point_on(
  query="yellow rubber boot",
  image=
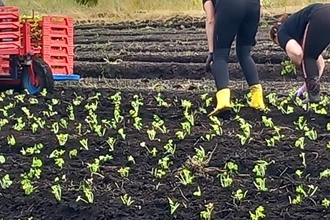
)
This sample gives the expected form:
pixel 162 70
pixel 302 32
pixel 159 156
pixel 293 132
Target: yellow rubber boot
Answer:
pixel 257 97
pixel 223 101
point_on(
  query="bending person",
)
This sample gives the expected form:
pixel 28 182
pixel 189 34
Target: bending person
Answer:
pixel 304 35
pixel 233 18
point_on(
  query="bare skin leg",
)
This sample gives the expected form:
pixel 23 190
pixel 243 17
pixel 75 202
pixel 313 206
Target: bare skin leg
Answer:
pixel 294 51
pixel 321 65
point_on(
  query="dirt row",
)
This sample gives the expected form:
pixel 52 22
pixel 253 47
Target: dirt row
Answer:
pixel 263 33
pixel 153 51
pixel 181 52
pixel 156 47
pixel 151 70
pixel 94 36
pixel 171 51
pixel 150 37
pixel 103 31
pixel 176 57
pixel 147 50
pixel 174 22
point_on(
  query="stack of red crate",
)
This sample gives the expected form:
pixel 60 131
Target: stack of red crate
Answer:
pixel 9 35
pixel 52 39
pixel 57 43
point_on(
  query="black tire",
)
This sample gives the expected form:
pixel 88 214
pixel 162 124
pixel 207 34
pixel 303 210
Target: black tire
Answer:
pixel 1 4
pixel 41 71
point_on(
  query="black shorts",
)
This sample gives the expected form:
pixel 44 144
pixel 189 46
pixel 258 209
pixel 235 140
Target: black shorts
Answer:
pixel 238 18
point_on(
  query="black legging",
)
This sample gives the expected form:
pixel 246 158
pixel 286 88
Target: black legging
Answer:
pixel 316 39
pixel 241 18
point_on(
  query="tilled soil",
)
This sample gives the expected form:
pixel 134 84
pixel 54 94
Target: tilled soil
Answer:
pixel 174 49
pixel 150 194
pixel 145 59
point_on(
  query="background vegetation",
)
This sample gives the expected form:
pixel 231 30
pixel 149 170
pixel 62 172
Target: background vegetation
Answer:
pixel 114 10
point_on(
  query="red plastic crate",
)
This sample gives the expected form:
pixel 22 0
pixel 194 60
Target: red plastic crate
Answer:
pixel 4 65
pixel 57 43
pixel 9 28
pixel 9 35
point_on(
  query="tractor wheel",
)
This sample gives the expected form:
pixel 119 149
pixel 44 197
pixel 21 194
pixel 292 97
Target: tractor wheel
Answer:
pixel 43 74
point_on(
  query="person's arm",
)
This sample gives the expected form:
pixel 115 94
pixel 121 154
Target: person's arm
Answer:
pixel 282 38
pixel 209 24
pixel 291 48
pixel 320 65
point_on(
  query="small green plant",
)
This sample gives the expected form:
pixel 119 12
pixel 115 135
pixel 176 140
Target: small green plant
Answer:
pixel 288 67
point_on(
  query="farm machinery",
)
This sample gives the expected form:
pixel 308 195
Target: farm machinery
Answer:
pixel 35 52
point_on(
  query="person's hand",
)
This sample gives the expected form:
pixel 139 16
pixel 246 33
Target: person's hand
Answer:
pixel 208 62
pixel 300 92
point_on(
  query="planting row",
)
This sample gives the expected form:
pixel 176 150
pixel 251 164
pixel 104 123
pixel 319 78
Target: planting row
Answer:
pixel 260 57
pixel 156 47
pixel 150 36
pixel 167 53
pixel 151 70
pixel 95 154
pixel 263 32
pixel 178 22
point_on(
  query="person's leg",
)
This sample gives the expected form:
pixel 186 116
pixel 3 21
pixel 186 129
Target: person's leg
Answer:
pixel 227 23
pixel 245 39
pixel 228 18
pixel 247 64
pixel 294 52
pixel 316 39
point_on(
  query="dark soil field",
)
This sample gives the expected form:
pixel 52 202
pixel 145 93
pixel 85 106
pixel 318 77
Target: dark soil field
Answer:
pixel 133 140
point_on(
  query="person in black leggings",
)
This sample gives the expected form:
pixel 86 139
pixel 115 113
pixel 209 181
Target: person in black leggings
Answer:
pixel 238 18
pixel 304 35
